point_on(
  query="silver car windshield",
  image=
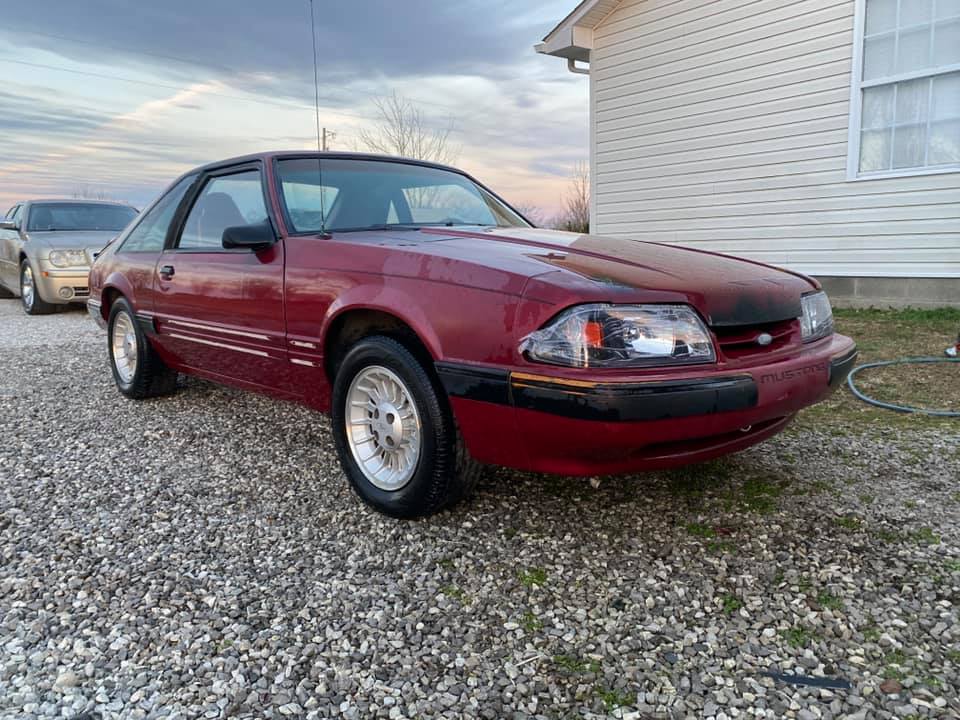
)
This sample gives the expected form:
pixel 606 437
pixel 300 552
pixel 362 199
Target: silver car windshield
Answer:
pixel 79 216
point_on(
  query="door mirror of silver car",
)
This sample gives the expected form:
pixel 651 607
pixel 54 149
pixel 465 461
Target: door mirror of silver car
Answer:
pixel 252 237
pixel 8 225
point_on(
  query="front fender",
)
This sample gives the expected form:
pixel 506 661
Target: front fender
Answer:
pixel 392 301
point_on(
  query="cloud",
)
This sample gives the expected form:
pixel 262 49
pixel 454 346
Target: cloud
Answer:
pixel 354 39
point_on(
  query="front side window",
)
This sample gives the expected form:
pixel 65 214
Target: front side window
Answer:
pixel 225 201
pixel 907 94
pixel 344 195
pixel 52 217
pixel 150 233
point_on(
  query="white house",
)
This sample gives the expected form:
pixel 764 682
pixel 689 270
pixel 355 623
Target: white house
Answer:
pixel 821 135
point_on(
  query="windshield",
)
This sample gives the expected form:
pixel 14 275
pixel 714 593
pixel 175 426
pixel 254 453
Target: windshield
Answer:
pixel 374 194
pixel 79 216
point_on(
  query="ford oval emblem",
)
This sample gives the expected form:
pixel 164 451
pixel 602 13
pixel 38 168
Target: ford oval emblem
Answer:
pixel 764 339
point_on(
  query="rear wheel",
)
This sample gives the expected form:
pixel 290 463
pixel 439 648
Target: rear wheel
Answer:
pixel 30 298
pixel 137 369
pixel 395 433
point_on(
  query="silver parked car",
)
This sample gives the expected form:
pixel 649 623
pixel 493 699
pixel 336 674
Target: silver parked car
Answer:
pixel 46 247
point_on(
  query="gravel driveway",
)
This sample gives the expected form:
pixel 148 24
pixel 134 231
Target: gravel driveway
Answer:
pixel 202 556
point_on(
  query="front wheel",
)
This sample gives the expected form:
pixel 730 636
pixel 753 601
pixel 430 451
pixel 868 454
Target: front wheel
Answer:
pixel 137 369
pixel 395 433
pixel 30 298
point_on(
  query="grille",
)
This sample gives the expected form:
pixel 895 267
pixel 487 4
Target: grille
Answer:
pixel 81 292
pixel 740 341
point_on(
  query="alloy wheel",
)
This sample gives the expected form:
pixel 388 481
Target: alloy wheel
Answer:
pixel 124 344
pixel 27 288
pixel 383 427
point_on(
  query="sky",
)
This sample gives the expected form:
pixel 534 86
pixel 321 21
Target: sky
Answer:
pixel 116 98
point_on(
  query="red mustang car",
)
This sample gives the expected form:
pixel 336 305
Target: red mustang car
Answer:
pixel 441 329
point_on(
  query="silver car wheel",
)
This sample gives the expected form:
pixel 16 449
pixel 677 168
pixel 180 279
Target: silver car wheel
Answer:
pixel 383 427
pixel 124 344
pixel 27 288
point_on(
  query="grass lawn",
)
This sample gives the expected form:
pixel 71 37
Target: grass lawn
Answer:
pixel 888 335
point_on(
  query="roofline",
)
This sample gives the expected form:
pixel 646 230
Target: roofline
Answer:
pixel 572 18
pixel 568 39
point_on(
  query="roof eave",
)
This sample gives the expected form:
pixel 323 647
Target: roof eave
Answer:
pixel 571 42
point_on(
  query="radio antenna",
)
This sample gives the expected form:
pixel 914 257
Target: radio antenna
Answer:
pixel 316 106
pixel 316 75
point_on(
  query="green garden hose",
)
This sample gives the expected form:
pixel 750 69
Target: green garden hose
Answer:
pixel 892 406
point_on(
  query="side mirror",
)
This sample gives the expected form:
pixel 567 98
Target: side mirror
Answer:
pixel 8 225
pixel 253 237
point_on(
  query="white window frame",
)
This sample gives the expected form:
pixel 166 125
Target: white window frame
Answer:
pixel 857 85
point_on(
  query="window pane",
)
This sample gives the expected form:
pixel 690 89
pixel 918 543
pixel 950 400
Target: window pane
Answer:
pixel 874 150
pixel 151 231
pixel 225 202
pixel 947 8
pixel 878 107
pixel 912 99
pixel 915 12
pixel 944 143
pixel 914 51
pixel 878 57
pixel 881 16
pixel 909 146
pixel 946 97
pixel 946 50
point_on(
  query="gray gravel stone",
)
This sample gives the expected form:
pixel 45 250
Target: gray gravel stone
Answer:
pixel 201 556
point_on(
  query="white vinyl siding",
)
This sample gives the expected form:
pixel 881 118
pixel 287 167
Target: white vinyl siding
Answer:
pixel 724 126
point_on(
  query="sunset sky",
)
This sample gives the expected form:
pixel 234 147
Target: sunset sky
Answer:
pixel 114 97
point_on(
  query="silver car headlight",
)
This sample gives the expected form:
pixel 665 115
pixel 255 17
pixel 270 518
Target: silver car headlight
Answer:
pixel 817 319
pixel 68 258
pixel 621 336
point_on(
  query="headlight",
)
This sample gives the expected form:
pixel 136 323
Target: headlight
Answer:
pixel 621 336
pixel 68 258
pixel 817 319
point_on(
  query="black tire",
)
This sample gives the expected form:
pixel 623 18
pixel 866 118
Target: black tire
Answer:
pixel 34 305
pixel 445 473
pixel 151 376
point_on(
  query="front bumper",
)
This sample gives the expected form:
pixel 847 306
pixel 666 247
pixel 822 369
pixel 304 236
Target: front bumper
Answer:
pixel 595 426
pixel 63 286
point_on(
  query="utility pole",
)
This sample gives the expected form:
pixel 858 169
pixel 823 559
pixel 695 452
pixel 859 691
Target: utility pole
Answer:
pixel 327 133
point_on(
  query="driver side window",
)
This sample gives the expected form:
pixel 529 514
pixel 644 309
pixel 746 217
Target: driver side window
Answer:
pixel 225 201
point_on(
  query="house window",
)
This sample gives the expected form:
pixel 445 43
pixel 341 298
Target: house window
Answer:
pixel 905 109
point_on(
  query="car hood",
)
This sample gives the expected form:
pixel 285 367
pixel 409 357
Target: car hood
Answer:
pixel 93 241
pixel 727 290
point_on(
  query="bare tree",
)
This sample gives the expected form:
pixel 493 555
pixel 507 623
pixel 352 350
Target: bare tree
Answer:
pixel 402 129
pixel 85 192
pixel 576 202
pixel 530 212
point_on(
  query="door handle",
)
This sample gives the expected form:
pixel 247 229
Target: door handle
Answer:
pixel 167 272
